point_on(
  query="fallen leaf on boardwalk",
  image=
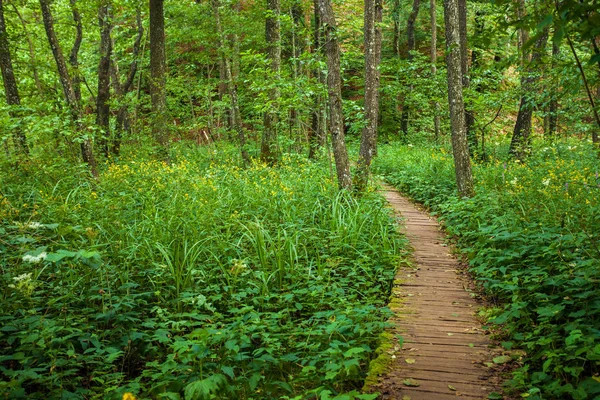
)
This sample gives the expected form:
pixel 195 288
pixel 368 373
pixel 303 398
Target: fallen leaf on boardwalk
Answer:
pixel 411 382
pixel 452 388
pixel 471 345
pixel 410 360
pixel 502 359
pixel 405 397
pixel 450 334
pixel 413 349
pixel 489 364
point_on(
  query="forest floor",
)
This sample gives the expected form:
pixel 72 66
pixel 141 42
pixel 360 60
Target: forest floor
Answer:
pixel 443 351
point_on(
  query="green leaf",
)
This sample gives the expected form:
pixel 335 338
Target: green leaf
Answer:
pixel 502 359
pixel 411 382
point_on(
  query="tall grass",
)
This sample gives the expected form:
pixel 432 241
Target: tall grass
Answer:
pixel 196 278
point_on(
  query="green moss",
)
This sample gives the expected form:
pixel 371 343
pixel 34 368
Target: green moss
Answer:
pixel 380 364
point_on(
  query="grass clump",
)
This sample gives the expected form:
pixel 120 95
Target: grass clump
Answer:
pixel 192 280
pixel 532 235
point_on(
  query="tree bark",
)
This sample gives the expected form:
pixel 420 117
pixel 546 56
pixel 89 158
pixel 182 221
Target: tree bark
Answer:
pixel 32 56
pixel 462 162
pixel 334 85
pixel 410 44
pixel 235 115
pixel 466 80
pixel 74 56
pixel 123 122
pixel 87 151
pixel 10 83
pixel 103 97
pixel 268 147
pixel 158 77
pixel 433 59
pixel 372 29
pixel 553 107
pixel 519 144
pixel 316 138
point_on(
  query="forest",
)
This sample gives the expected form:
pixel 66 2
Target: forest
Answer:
pixel 190 191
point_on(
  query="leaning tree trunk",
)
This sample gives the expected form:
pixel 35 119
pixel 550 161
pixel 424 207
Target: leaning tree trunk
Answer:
pixel 433 59
pixel 334 86
pixel 316 134
pixel 462 162
pixel 373 17
pixel 519 144
pixel 410 44
pixel 158 77
pixel 10 83
pixel 103 97
pixel 268 146
pixel 87 151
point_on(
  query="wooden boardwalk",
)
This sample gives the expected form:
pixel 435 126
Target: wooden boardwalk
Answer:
pixel 444 350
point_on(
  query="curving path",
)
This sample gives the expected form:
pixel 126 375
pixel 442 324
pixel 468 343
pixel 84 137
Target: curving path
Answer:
pixel 445 351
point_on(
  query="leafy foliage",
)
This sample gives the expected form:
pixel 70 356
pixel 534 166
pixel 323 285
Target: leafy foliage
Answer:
pixel 532 236
pixel 195 280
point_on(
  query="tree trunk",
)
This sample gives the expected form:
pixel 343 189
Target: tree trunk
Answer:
pixel 519 144
pixel 235 115
pixel 10 83
pixel 32 56
pixel 396 18
pixel 334 85
pixel 553 107
pixel 466 81
pixel 87 151
pixel 123 122
pixel 74 56
pixel 268 147
pixel 158 77
pixel 103 98
pixel 316 138
pixel 433 59
pixel 410 44
pixel 462 162
pixel 373 17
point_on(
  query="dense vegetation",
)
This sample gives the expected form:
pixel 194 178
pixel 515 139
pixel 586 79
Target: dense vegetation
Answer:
pixel 171 219
pixel 195 277
pixel 531 235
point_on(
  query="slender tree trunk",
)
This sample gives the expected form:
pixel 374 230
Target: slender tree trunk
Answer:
pixel 103 98
pixel 74 56
pixel 268 147
pixel 466 80
pixel 235 115
pixel 396 18
pixel 410 34
pixel 316 138
pixel 33 64
pixel 87 151
pixel 519 144
pixel 334 85
pixel 123 122
pixel 433 59
pixel 553 107
pixel 10 83
pixel 462 162
pixel 373 17
pixel 158 77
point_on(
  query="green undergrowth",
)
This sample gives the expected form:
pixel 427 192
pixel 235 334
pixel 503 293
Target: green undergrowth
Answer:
pixel 532 236
pixel 192 280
